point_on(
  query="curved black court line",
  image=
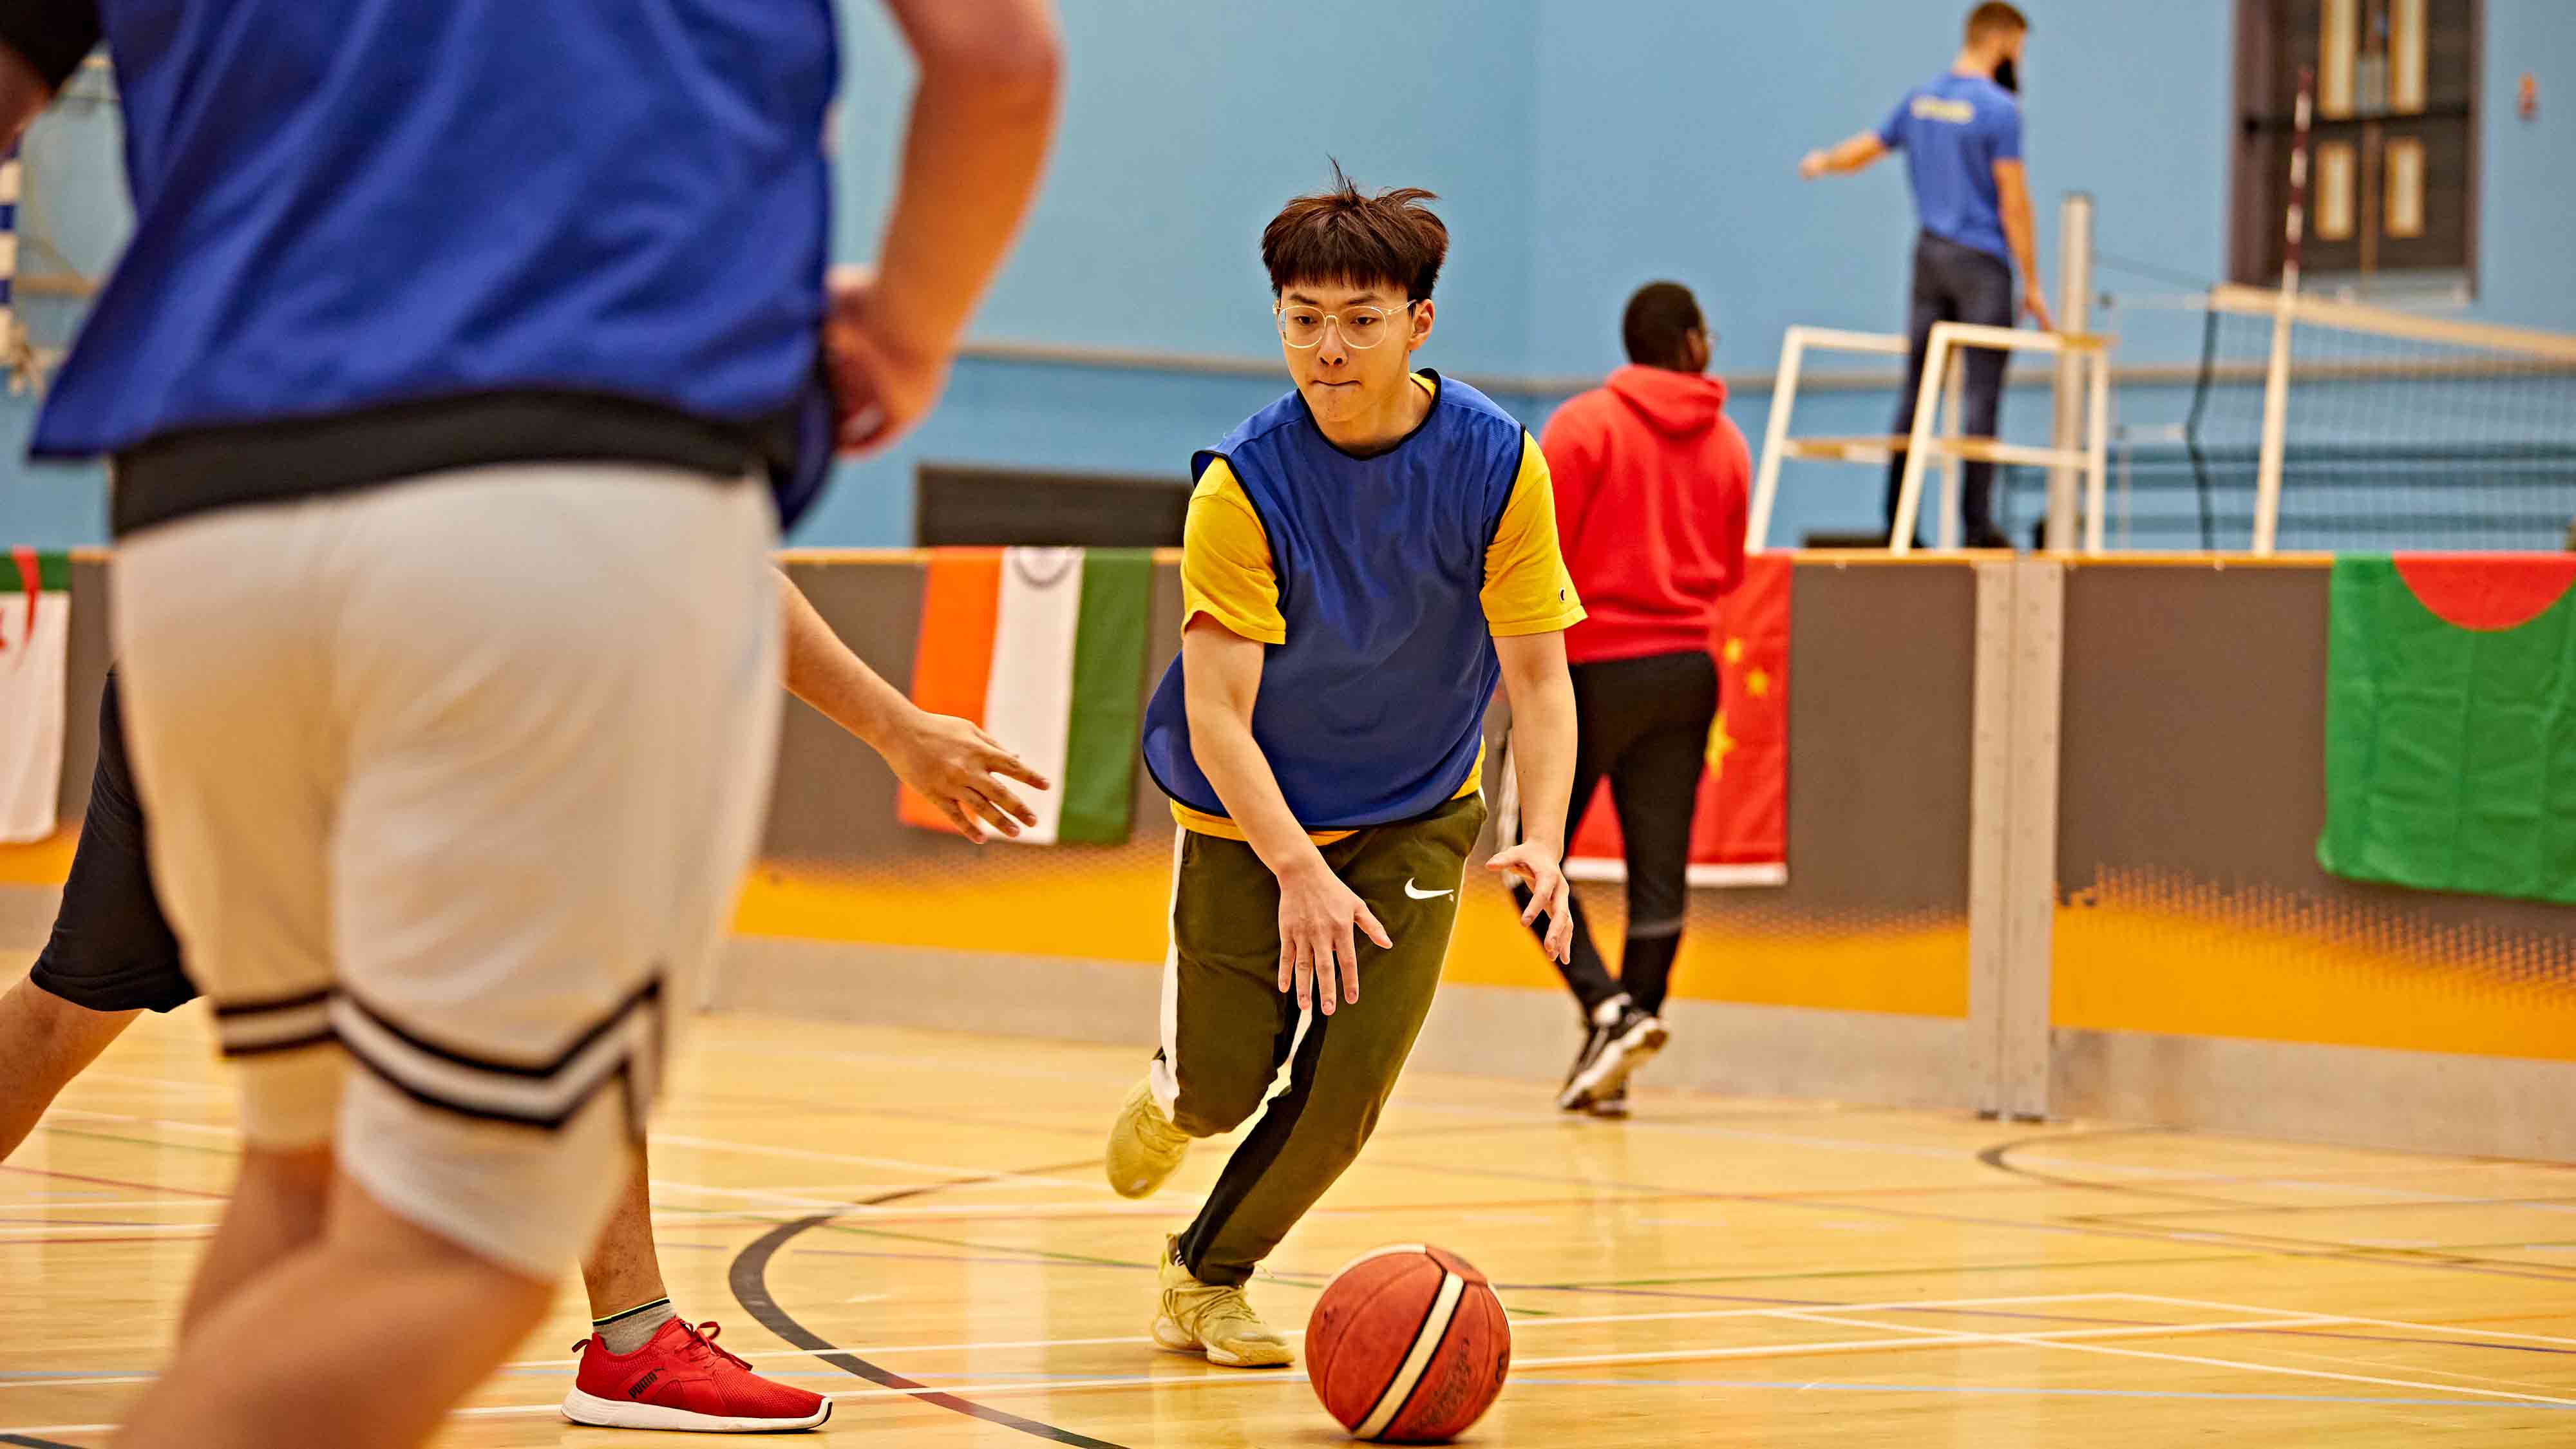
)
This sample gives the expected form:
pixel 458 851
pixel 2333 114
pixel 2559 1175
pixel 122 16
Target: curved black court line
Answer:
pixel 1998 1157
pixel 35 1443
pixel 749 1279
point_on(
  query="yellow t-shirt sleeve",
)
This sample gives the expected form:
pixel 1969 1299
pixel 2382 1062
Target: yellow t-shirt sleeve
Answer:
pixel 1527 590
pixel 1226 572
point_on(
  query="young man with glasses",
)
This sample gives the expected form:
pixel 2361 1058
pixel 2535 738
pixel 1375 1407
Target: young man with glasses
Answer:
pixel 1365 559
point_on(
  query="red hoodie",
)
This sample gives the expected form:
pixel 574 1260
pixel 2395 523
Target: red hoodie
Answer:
pixel 1651 480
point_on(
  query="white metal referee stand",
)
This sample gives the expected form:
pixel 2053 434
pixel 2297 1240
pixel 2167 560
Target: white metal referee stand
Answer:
pixel 1937 404
pixel 2080 434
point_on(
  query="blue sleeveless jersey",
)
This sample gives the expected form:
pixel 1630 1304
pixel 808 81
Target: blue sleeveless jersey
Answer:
pixel 1373 711
pixel 345 204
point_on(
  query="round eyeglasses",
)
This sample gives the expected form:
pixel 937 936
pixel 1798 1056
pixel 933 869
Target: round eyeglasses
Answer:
pixel 1302 325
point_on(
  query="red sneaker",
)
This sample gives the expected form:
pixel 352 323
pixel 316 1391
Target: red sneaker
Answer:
pixel 681 1380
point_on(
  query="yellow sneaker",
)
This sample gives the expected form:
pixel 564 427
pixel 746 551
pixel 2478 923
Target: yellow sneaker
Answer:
pixel 1144 1146
pixel 1213 1319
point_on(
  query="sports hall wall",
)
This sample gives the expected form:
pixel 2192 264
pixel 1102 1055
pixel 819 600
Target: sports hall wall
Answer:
pixel 1580 148
pixel 2181 958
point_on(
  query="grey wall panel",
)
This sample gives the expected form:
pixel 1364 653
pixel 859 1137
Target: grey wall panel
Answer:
pixel 2194 739
pixel 1880 675
pixel 84 676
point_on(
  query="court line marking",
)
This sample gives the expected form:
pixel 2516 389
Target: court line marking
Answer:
pixel 897 1164
pixel 2070 1344
pixel 785 1207
pixel 1915 1336
pixel 174 1124
pixel 2354 1318
pixel 1218 1379
pixel 1519 1325
pixel 1833 1386
pixel 2252 1245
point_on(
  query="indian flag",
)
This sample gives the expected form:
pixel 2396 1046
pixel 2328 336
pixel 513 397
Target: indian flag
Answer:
pixel 1045 648
pixel 35 646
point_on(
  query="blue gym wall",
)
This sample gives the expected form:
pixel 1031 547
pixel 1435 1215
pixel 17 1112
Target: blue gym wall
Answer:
pixel 1581 147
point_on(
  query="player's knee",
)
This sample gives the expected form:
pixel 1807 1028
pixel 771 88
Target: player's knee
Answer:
pixel 1216 1108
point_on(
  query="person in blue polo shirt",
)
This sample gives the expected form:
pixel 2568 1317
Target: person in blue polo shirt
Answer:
pixel 462 365
pixel 1961 135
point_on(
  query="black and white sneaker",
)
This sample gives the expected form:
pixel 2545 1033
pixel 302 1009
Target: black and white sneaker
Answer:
pixel 1611 1105
pixel 1596 1035
pixel 1621 1040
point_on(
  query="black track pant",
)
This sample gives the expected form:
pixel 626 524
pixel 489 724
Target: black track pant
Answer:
pixel 1643 726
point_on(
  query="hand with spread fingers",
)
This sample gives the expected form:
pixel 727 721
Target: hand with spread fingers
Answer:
pixel 965 772
pixel 1319 923
pixel 1538 868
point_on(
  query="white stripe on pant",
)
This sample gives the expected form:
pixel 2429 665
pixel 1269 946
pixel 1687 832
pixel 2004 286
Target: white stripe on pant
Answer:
pixel 484 753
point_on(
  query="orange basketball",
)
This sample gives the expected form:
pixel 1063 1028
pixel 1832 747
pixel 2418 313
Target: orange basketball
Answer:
pixel 1408 1345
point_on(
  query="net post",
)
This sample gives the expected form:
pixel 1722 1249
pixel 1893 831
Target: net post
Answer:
pixel 2097 442
pixel 2276 376
pixel 2074 314
pixel 1927 403
pixel 1952 402
pixel 1775 439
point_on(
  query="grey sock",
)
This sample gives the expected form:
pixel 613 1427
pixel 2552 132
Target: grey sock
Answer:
pixel 631 1329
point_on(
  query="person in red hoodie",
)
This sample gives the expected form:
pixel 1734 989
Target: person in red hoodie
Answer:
pixel 1651 481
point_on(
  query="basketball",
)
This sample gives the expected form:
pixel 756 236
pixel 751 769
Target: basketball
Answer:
pixel 1408 1345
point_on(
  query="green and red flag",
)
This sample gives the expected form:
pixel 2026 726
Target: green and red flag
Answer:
pixel 2451 724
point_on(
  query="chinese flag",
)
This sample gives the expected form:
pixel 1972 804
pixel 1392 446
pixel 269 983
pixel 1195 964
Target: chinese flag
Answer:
pixel 1741 833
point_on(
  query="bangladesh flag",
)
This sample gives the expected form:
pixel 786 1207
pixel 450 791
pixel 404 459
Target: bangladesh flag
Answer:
pixel 2451 724
pixel 1045 648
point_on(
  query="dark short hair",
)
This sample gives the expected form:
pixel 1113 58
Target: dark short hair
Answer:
pixel 1345 235
pixel 1995 17
pixel 1659 319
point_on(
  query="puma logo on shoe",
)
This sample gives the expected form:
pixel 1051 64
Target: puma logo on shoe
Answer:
pixel 1423 895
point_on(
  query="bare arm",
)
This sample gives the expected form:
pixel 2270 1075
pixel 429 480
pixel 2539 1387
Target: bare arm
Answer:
pixel 982 116
pixel 1843 157
pixel 2012 198
pixel 1543 742
pixel 23 93
pixel 1317 949
pixel 955 765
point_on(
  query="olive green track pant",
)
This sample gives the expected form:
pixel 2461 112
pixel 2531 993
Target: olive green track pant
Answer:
pixel 1228 1028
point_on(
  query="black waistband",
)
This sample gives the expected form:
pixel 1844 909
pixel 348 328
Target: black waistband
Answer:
pixel 180 474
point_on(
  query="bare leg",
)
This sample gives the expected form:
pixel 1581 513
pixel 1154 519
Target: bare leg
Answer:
pixel 277 1210
pixel 45 1041
pixel 299 1356
pixel 622 1271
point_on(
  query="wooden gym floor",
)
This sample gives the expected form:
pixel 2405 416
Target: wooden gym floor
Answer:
pixel 915 1223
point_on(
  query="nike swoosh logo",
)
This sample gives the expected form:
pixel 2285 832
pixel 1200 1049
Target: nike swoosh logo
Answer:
pixel 1421 895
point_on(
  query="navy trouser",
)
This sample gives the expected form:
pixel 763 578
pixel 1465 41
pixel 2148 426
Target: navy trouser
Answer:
pixel 1953 283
